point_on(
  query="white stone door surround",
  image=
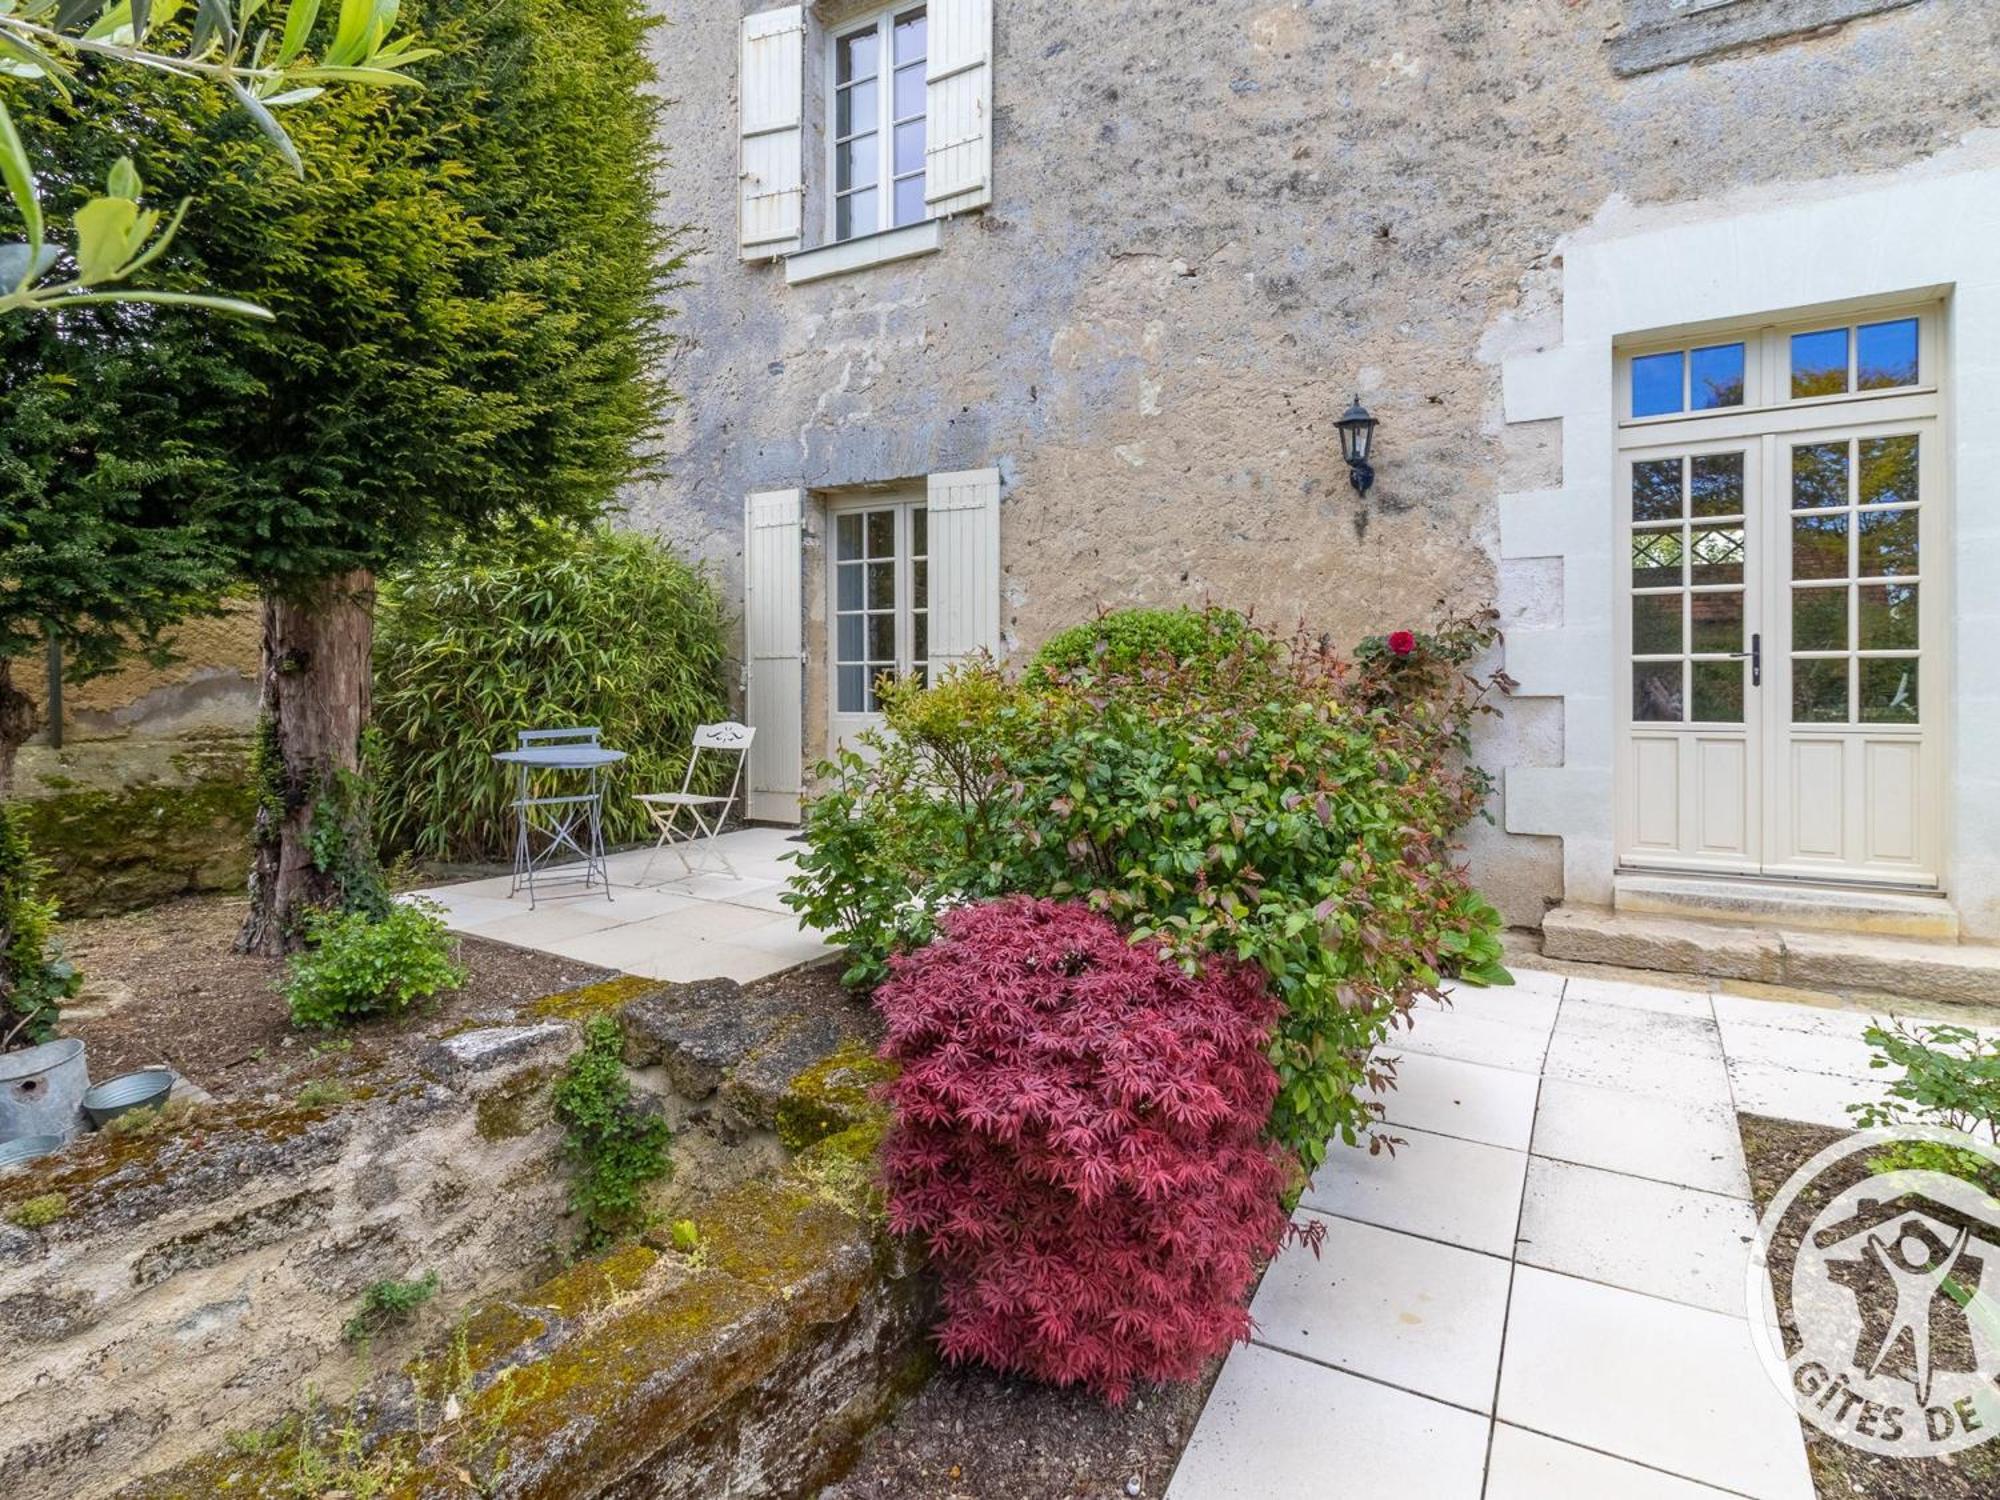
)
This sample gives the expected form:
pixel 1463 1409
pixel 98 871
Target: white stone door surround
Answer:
pixel 1930 229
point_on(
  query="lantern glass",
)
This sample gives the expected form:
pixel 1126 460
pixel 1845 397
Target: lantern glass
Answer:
pixel 1357 433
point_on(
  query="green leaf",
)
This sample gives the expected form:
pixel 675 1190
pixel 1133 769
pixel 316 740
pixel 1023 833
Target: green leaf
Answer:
pixel 268 123
pixel 381 77
pixel 123 181
pixel 104 238
pixel 350 33
pixel 299 21
pixel 19 176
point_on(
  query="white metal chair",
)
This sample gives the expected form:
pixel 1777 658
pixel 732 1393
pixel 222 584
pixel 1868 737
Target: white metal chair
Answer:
pixel 706 814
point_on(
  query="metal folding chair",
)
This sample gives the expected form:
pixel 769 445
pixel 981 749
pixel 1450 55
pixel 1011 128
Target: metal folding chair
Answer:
pixel 705 814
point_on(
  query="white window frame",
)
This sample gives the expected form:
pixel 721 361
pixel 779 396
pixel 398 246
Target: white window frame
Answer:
pixel 905 503
pixel 883 23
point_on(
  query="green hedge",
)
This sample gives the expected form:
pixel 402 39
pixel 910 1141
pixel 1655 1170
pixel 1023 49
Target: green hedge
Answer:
pixel 608 629
pixel 1125 640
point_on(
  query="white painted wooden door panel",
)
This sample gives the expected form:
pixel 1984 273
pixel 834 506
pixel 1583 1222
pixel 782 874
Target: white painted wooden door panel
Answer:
pixel 774 650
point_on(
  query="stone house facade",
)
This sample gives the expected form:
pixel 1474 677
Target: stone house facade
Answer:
pixel 1681 320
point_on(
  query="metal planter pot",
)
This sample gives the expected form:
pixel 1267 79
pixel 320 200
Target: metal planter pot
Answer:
pixel 41 1088
pixel 144 1089
pixel 24 1149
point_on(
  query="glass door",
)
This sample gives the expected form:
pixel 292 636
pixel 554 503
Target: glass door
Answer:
pixel 880 593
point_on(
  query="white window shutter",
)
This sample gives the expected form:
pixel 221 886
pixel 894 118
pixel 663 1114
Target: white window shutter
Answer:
pixel 774 650
pixel 771 83
pixel 959 161
pixel 964 540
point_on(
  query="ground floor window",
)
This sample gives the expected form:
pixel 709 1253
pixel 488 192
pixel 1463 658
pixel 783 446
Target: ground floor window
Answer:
pixel 881 599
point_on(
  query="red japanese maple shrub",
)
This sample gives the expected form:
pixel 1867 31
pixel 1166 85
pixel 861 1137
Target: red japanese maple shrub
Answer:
pixel 1079 1143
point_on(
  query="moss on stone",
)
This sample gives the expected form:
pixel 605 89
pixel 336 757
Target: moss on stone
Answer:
pixel 516 1108
pixel 832 1095
pixel 592 999
pixel 845 1170
pixel 597 1282
pixel 113 850
pixel 38 1212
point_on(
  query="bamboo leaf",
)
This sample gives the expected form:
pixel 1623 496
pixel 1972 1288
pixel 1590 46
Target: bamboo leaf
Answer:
pixel 299 21
pixel 268 123
pixel 230 305
pixel 19 176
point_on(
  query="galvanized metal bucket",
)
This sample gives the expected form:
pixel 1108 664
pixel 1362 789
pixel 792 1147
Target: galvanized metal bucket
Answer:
pixel 128 1091
pixel 24 1149
pixel 41 1090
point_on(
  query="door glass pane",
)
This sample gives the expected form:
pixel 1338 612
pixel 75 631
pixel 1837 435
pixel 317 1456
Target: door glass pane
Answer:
pixel 847 536
pixel 882 641
pixel 1656 692
pixel 1716 554
pixel 1717 625
pixel 1886 354
pixel 1715 484
pixel 853 694
pixel 1819 363
pixel 1889 470
pixel 1819 546
pixel 1656 384
pixel 874 698
pixel 920 532
pixel 1819 619
pixel 1888 543
pixel 881 585
pixel 1718 692
pixel 849 586
pixel 920 632
pixel 1716 377
pixel 1889 617
pixel 1819 692
pixel 1656 624
pixel 850 638
pixel 881 533
pixel 920 586
pixel 1819 476
pixel 1889 691
pixel 1656 490
pixel 1656 559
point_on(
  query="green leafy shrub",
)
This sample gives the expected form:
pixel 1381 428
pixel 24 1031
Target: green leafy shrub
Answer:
pixel 1122 641
pixel 616 1146
pixel 387 1304
pixel 358 966
pixel 547 630
pixel 35 978
pixel 1951 1078
pixel 1254 805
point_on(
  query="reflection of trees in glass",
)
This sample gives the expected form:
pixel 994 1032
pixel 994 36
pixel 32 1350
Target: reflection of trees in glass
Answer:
pixel 1656 692
pixel 1819 692
pixel 1889 470
pixel 1889 691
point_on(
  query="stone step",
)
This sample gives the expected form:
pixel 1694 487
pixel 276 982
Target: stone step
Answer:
pixel 1848 963
pixel 1788 905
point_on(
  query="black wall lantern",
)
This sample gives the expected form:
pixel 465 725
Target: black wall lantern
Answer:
pixel 1357 440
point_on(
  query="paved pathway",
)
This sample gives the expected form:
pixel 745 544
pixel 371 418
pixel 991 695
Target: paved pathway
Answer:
pixel 659 922
pixel 1541 1295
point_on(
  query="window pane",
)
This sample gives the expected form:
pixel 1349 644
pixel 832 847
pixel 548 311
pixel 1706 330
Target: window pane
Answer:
pixel 1819 476
pixel 850 638
pixel 1889 470
pixel 1889 617
pixel 1716 377
pixel 1819 692
pixel 1888 543
pixel 882 585
pixel 1656 384
pixel 909 148
pixel 847 536
pixel 853 690
pixel 1715 554
pixel 1886 354
pixel 910 92
pixel 874 698
pixel 1819 363
pixel 882 640
pixel 920 586
pixel 910 43
pixel 1718 624
pixel 1656 490
pixel 920 532
pixel 1715 484
pixel 1656 692
pixel 910 207
pixel 1889 692
pixel 1819 546
pixel 1718 692
pixel 855 110
pixel 854 163
pixel 1656 624
pixel 856 56
pixel 1656 559
pixel 920 629
pixel 850 586
pixel 881 533
pixel 856 214
pixel 1819 619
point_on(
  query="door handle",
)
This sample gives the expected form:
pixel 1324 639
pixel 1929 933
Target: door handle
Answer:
pixel 1755 656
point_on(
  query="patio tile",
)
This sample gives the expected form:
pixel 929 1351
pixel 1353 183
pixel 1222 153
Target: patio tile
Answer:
pixel 1692 1145
pixel 1514 1004
pixel 1464 1099
pixel 1611 1046
pixel 1527 1466
pixel 1278 1425
pixel 1826 1020
pixel 1805 1051
pixel 1471 1038
pixel 1526 981
pixel 1422 1316
pixel 1671 1242
pixel 1461 1192
pixel 782 939
pixel 1666 1385
pixel 714 888
pixel 1789 1094
pixel 461 911
pixel 710 921
pixel 548 923
pixel 1663 998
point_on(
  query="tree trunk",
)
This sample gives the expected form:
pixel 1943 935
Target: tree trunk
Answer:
pixel 313 701
pixel 18 720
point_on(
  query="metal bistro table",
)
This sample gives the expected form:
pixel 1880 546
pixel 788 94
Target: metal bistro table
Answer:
pixel 572 823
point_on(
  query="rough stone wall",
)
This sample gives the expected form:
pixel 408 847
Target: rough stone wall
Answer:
pixel 211 685
pixel 1213 224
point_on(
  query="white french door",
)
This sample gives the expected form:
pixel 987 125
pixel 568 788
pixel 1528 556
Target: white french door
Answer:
pixel 880 594
pixel 1780 635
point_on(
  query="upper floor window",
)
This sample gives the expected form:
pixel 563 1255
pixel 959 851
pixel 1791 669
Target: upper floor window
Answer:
pixel 879 109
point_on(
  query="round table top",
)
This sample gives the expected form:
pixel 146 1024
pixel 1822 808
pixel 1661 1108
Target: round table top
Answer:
pixel 561 757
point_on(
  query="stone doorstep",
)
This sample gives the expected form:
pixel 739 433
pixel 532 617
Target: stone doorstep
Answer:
pixel 1762 903
pixel 1842 962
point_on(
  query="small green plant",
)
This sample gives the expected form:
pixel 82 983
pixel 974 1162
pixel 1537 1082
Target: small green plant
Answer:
pixel 39 1212
pixel 159 1118
pixel 616 1147
pixel 359 967
pixel 388 1304
pixel 1951 1078
pixel 686 1236
pixel 35 978
pixel 324 1093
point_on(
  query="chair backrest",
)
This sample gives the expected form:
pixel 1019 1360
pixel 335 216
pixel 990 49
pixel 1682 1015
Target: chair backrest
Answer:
pixel 726 738
pixel 526 737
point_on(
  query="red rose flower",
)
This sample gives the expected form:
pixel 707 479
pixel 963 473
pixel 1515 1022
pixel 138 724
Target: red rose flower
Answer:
pixel 1402 643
